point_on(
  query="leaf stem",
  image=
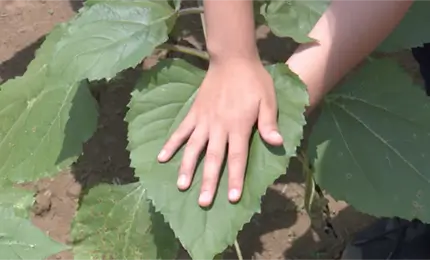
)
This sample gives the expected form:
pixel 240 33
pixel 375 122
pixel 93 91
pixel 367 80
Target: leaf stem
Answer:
pixel 191 10
pixel 187 50
pixel 238 251
pixel 309 181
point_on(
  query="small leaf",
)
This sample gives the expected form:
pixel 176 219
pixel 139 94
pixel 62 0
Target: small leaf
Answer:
pixel 43 122
pixel 372 142
pixel 20 239
pixel 154 114
pixel 117 222
pixel 411 31
pixel 110 36
pixel 18 199
pixel 293 18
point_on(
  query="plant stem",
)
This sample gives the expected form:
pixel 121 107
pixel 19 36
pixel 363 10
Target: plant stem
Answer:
pixel 202 19
pixel 187 50
pixel 309 181
pixel 238 251
pixel 191 10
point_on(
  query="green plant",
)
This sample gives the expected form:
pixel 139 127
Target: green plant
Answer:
pixel 49 112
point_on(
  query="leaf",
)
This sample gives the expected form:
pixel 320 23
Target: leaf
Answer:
pixel 45 52
pixel 117 222
pixel 411 32
pixel 372 142
pixel 157 110
pixel 43 123
pixel 176 4
pixel 293 18
pixel 20 239
pixel 19 200
pixel 110 36
pixel 93 2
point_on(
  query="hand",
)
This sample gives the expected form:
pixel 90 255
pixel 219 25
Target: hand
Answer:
pixel 233 96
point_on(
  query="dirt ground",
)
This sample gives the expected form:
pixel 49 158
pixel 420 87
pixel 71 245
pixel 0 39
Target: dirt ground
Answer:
pixel 282 231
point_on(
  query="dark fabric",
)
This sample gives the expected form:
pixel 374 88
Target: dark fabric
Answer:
pixel 422 56
pixel 391 239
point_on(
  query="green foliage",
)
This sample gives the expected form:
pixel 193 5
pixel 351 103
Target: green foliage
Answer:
pixel 158 105
pixel 19 200
pixel 373 136
pixel 44 121
pixel 412 30
pixel 19 239
pixel 293 18
pixel 110 36
pixel 116 222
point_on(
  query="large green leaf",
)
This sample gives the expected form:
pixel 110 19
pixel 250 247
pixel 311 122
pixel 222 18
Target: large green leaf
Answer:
pixel 372 142
pixel 20 239
pixel 293 18
pixel 110 36
pixel 412 31
pixel 45 52
pixel 117 222
pixel 43 122
pixel 157 110
pixel 18 199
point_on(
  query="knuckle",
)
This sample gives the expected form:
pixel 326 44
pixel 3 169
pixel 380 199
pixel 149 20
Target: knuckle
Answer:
pixel 185 167
pixel 212 156
pixel 209 178
pixel 235 157
pixel 177 135
pixel 193 144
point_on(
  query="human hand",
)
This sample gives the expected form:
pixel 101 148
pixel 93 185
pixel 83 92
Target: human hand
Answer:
pixel 234 95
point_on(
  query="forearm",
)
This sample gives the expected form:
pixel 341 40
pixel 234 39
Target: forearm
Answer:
pixel 230 29
pixel 346 33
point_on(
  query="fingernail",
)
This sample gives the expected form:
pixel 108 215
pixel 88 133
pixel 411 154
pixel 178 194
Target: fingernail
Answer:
pixel 204 198
pixel 161 155
pixel 275 135
pixel 182 181
pixel 233 194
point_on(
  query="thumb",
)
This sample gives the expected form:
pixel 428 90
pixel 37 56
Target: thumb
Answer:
pixel 267 122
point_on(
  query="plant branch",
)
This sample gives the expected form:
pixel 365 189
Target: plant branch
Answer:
pixel 187 50
pixel 238 251
pixel 191 10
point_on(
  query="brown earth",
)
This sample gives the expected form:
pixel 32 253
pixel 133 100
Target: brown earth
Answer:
pixel 282 231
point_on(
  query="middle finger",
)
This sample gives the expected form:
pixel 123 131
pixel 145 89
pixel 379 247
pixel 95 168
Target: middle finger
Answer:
pixel 212 165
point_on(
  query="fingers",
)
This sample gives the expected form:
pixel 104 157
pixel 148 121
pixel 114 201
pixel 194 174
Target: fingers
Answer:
pixel 212 166
pixel 177 139
pixel 194 147
pixel 267 122
pixel 238 143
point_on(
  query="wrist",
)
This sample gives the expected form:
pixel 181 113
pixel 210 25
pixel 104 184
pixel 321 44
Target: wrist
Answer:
pixel 218 53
